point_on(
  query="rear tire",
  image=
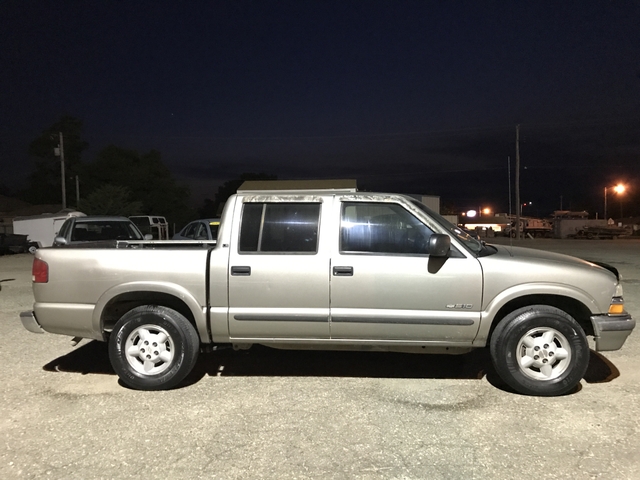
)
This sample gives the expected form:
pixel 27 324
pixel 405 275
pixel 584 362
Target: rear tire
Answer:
pixel 153 348
pixel 540 350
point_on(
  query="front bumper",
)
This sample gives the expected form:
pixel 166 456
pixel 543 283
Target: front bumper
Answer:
pixel 611 331
pixel 30 322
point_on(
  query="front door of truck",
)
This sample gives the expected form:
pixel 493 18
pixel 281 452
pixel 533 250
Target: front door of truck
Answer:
pixel 384 286
pixel 278 272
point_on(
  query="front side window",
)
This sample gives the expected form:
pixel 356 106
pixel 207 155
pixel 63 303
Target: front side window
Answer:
pixel 471 243
pixel 201 232
pixel 66 226
pixel 190 231
pixel 280 227
pixel 382 228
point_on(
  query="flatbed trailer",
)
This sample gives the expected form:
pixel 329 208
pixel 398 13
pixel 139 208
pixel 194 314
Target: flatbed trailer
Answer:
pixel 600 232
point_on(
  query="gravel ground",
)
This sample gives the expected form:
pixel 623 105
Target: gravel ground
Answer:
pixel 273 414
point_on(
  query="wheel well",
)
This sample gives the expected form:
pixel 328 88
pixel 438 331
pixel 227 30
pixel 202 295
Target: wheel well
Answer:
pixel 573 307
pixel 121 304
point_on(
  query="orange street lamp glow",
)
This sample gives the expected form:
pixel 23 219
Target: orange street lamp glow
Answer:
pixel 619 189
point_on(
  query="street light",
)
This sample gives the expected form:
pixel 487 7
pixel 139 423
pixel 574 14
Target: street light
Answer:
pixel 618 189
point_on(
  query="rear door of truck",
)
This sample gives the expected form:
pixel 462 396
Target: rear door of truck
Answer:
pixel 279 269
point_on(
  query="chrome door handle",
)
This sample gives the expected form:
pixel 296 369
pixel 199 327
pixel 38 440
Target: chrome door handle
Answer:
pixel 241 271
pixel 343 271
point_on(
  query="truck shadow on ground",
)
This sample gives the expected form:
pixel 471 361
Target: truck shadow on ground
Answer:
pixel 259 361
pixel 5 280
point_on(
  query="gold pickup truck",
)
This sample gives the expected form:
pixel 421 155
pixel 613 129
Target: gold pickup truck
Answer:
pixel 323 266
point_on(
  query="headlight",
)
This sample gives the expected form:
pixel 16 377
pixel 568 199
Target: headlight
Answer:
pixel 618 290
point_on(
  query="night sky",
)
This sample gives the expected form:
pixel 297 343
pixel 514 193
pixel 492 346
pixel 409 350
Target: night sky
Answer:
pixel 415 97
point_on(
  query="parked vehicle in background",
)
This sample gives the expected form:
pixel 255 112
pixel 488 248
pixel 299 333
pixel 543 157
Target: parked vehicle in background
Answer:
pixel 203 229
pixel 12 243
pixel 534 227
pixel 86 229
pixel 152 224
pixel 320 265
pixel 41 230
pixel 471 233
pixel 608 232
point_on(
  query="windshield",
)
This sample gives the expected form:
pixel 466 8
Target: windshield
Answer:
pixel 471 243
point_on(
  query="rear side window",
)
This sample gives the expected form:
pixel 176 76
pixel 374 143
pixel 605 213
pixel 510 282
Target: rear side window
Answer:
pixel 280 227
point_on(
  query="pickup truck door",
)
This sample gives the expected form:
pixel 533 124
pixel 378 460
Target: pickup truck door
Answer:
pixel 278 271
pixel 385 287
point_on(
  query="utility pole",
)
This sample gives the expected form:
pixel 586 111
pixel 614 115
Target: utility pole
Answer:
pixel 518 206
pixel 509 182
pixel 60 153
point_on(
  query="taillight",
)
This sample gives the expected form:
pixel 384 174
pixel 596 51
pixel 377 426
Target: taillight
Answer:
pixel 39 271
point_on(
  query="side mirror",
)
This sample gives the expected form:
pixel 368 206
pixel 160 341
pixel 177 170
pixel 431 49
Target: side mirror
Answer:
pixel 439 245
pixel 59 241
pixel 148 236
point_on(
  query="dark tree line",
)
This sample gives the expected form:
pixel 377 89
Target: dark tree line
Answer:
pixel 45 181
pixel 118 182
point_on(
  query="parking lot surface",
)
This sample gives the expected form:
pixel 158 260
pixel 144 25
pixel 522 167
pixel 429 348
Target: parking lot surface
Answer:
pixel 266 413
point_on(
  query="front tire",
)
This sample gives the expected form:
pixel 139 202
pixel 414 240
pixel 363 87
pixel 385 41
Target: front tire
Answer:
pixel 153 348
pixel 540 350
